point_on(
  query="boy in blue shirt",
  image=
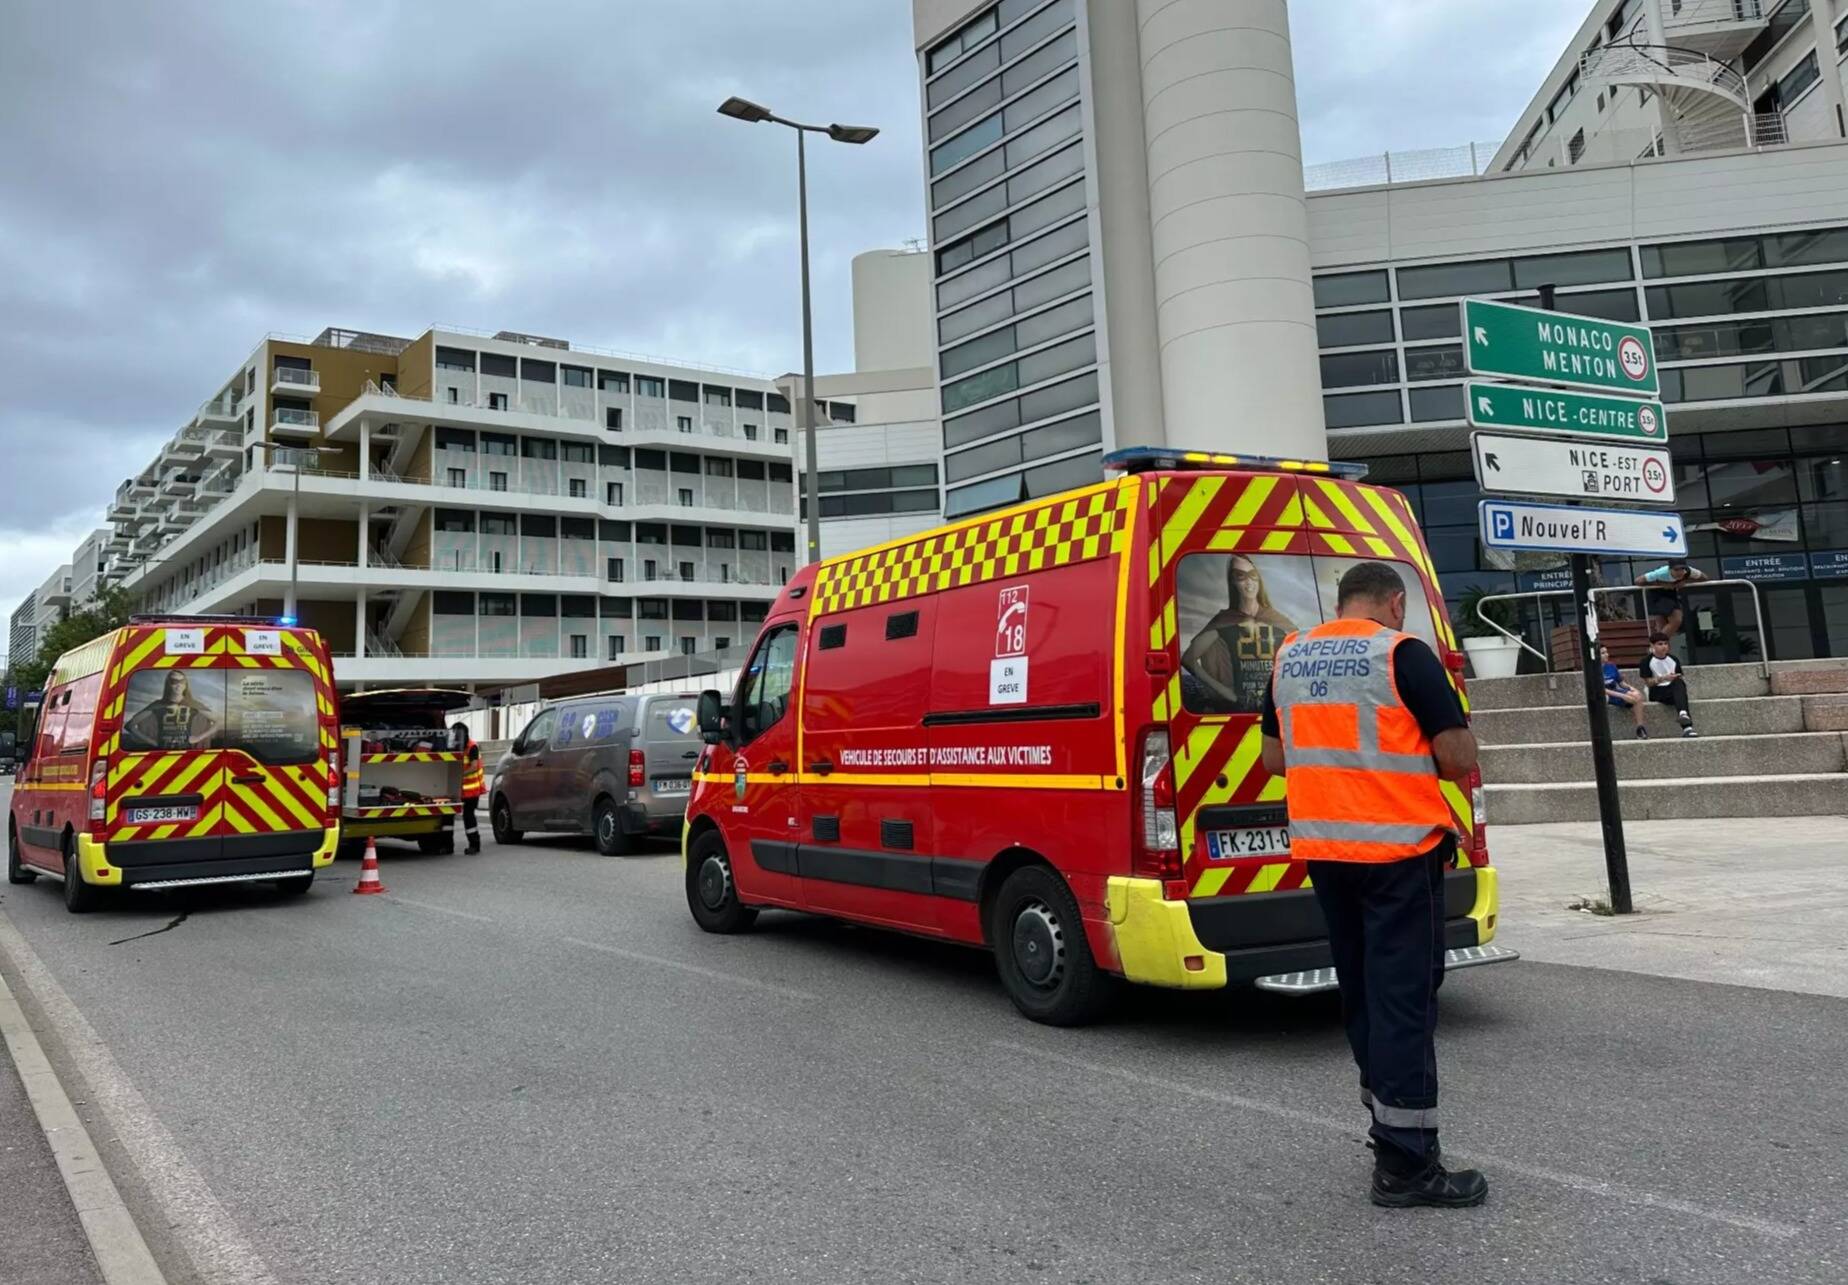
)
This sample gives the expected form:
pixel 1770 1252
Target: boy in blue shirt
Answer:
pixel 1620 693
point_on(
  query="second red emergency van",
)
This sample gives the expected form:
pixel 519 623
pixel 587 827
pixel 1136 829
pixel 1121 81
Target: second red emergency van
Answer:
pixel 1038 731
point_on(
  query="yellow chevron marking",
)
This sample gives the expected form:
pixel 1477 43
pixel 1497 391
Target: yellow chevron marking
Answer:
pixel 1344 502
pixel 1245 508
pixel 154 639
pixel 188 775
pixel 203 826
pixel 1339 543
pixel 158 767
pixel 1317 518
pixel 254 803
pixel 1193 750
pixel 290 804
pixel 1181 522
pixel 1292 514
pixel 1272 791
pixel 1278 541
pixel 1378 547
pixel 237 820
pixel 1223 540
pixel 1269 877
pixel 1212 881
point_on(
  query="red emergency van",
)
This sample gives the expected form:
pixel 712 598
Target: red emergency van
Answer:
pixel 181 750
pixel 1038 731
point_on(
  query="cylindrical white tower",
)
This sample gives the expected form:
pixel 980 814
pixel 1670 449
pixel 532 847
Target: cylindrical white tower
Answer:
pixel 1235 307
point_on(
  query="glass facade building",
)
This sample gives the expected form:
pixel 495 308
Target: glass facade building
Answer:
pixel 1015 328
pixel 1752 337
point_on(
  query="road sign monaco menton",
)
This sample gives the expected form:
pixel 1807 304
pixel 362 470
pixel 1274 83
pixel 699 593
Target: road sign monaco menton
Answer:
pixel 1543 410
pixel 1573 470
pixel 1512 342
pixel 1562 528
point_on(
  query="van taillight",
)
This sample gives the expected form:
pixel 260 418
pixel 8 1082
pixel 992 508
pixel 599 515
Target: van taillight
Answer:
pixel 1158 839
pixel 638 768
pixel 333 781
pixel 1479 832
pixel 99 796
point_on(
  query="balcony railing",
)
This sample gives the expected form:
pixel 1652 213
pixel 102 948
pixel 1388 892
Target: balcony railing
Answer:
pixel 295 377
pixel 289 419
pixel 1679 15
pixel 1630 64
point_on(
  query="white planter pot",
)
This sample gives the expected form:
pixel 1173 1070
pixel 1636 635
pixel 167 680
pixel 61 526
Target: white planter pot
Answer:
pixel 1493 657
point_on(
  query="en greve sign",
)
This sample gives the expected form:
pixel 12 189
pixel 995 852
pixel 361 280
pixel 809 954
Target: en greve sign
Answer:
pixel 1542 410
pixel 1574 470
pixel 1512 342
pixel 1563 528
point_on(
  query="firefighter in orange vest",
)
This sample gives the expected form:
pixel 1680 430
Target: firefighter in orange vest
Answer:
pixel 1365 724
pixel 474 783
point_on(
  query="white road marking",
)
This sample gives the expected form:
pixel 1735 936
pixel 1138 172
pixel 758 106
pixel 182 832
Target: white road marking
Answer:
pixel 1576 1182
pixel 788 992
pixel 121 1254
pixel 443 910
pixel 202 1226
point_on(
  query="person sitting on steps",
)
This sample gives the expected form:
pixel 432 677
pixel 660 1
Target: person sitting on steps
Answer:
pixel 1666 681
pixel 1620 694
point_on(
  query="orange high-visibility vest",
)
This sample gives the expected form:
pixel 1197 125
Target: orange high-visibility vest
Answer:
pixel 474 784
pixel 1361 782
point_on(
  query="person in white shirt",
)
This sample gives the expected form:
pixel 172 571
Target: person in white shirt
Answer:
pixel 1666 682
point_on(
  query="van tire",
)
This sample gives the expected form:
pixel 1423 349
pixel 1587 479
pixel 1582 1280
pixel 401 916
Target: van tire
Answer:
pixel 432 845
pixel 606 828
pixel 79 897
pixel 1042 954
pixel 712 893
pixel 500 820
pixel 296 886
pixel 16 871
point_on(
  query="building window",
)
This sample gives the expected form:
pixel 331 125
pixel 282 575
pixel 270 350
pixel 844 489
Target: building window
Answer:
pixel 684 423
pixel 612 418
pixel 615 647
pixel 580 643
pixel 782 436
pixel 648 386
pixel 650 569
pixel 497 401
pixel 686 571
pixel 688 645
pixel 458 477
pixel 651 642
pixel 580 489
pixel 615 570
pixel 686 498
pixel 497 481
pixel 612 494
pixel 455 395
pixel 750 432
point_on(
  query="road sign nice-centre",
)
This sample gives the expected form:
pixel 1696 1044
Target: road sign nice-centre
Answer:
pixel 1573 470
pixel 1512 342
pixel 1564 528
pixel 1543 410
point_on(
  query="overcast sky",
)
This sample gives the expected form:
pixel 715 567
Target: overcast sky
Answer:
pixel 178 179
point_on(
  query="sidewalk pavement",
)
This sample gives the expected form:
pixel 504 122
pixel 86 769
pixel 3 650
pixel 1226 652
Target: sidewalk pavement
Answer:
pixel 1757 901
pixel 43 1242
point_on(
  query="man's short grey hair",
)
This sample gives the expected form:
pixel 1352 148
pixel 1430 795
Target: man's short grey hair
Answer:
pixel 1374 581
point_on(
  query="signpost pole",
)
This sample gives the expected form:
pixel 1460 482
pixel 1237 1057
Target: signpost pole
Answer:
pixel 1603 758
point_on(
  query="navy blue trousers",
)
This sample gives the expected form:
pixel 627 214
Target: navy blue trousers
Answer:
pixel 1386 930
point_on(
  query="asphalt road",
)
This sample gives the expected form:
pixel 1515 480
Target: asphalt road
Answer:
pixel 529 1066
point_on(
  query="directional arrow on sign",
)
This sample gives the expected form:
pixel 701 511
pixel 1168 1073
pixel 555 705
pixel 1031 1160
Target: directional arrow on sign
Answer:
pixel 1482 336
pixel 1572 468
pixel 1492 462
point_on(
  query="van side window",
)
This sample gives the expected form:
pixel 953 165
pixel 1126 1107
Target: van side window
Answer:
pixel 764 697
pixel 538 733
pixel 832 636
pixel 80 717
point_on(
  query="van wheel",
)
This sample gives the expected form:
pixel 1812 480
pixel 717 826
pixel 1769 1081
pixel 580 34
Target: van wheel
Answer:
pixel 433 844
pixel 295 887
pixel 712 893
pixel 607 827
pixel 500 817
pixel 79 897
pixel 15 871
pixel 1041 952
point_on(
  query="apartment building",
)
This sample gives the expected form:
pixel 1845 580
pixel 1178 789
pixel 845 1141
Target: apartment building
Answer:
pixel 37 612
pixel 466 508
pixel 1646 78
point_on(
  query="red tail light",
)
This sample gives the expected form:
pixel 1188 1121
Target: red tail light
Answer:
pixel 1157 835
pixel 99 796
pixel 638 769
pixel 333 781
pixel 1479 833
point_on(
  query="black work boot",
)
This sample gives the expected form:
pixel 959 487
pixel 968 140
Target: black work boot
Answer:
pixel 1433 1185
pixel 474 842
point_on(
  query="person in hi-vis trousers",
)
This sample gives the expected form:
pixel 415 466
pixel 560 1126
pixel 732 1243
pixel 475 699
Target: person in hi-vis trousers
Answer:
pixel 1364 724
pixel 474 783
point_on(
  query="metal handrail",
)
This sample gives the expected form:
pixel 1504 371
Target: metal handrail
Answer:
pixel 297 376
pixel 1758 611
pixel 1702 13
pixel 1631 59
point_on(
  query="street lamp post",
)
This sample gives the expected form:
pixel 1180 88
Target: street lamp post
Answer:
pixel 751 114
pixel 295 498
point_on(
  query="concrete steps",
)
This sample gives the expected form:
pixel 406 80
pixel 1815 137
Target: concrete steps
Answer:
pixel 1770 745
pixel 1824 794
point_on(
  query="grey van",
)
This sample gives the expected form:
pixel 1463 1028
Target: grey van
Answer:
pixel 612 767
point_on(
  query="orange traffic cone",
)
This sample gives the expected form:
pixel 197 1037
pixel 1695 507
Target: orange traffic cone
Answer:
pixel 369 870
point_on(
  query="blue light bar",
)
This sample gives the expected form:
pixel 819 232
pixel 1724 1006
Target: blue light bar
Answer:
pixel 1144 459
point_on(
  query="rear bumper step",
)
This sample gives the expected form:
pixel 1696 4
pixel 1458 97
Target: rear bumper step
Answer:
pixel 1323 979
pixel 204 879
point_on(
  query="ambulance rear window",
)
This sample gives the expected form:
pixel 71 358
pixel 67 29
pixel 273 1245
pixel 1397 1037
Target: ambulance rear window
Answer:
pixel 1234 610
pixel 269 714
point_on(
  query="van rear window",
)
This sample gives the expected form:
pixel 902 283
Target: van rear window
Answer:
pixel 674 720
pixel 269 714
pixel 1235 610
